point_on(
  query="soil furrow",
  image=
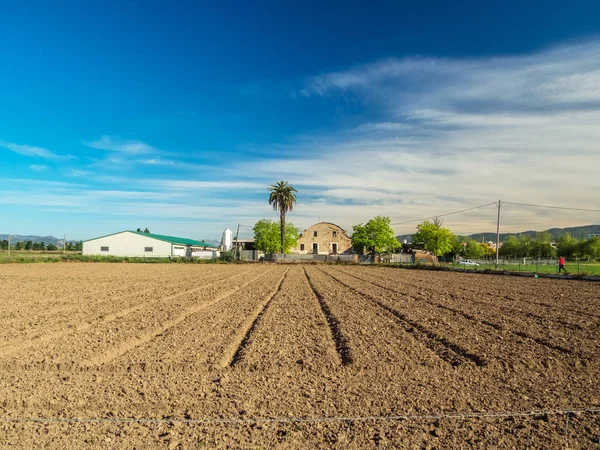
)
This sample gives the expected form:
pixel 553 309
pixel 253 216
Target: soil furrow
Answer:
pixel 496 326
pixel 341 342
pixel 445 349
pixel 235 352
pixel 147 337
pixel 10 349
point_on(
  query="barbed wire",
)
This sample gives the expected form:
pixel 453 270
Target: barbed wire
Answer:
pixel 258 420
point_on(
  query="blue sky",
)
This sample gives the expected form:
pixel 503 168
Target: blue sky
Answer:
pixel 177 116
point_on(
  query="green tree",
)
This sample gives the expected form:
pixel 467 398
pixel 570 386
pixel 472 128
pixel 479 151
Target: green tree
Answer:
pixel 29 245
pixel 590 248
pixel 510 248
pixel 267 236
pixel 474 249
pixel 20 245
pixel 4 244
pixel 146 230
pixel 282 197
pixel 376 236
pixel 51 247
pixel 78 247
pixel 540 246
pixel 437 239
pixel 567 245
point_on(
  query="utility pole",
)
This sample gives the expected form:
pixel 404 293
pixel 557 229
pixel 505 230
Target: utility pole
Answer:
pixel 498 236
pixel 237 233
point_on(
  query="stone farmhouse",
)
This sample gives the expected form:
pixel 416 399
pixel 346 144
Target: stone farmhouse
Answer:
pixel 324 238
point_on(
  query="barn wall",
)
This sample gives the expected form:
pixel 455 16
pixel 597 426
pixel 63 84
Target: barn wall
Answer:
pixel 127 244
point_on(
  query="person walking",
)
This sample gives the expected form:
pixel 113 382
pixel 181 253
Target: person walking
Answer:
pixel 561 265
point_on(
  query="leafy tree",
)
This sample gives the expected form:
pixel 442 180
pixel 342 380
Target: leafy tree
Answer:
pixel 376 236
pixel 78 247
pixel 510 248
pixel 139 230
pixel 567 245
pixel 457 246
pixel 29 245
pixel 51 247
pixel 474 249
pixel 540 246
pixel 434 237
pixel 590 248
pixel 267 236
pixel 146 230
pixel 282 197
pixel 20 245
pixel 4 244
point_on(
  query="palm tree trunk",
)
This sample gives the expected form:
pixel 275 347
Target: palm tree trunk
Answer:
pixel 282 224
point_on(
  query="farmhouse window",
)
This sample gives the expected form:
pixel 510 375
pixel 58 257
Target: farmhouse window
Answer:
pixel 301 246
pixel 335 234
pixel 103 249
pixel 148 249
pixel 315 234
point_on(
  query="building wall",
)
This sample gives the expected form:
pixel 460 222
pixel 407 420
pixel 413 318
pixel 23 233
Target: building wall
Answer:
pixel 127 244
pixel 327 235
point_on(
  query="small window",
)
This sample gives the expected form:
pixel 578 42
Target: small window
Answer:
pixel 335 234
pixel 301 247
pixel 103 249
pixel 315 234
pixel 148 249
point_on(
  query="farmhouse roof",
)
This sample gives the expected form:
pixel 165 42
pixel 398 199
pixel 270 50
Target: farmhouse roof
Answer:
pixel 165 238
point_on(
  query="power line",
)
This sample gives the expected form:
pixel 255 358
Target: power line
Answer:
pixel 444 215
pixel 551 207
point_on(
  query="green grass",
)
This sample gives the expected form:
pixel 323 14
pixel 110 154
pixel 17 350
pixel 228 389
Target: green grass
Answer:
pixel 28 257
pixel 572 268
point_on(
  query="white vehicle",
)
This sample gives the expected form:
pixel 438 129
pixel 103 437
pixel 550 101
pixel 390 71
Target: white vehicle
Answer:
pixel 467 262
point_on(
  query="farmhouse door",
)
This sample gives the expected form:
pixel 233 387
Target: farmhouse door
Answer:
pixel 334 249
pixel 315 248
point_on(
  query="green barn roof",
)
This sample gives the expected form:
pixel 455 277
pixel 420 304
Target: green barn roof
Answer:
pixel 162 237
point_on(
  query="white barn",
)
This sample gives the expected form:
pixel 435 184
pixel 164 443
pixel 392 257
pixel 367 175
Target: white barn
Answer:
pixel 145 245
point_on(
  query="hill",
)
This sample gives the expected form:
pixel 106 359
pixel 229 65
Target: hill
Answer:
pixel 18 238
pixel 580 232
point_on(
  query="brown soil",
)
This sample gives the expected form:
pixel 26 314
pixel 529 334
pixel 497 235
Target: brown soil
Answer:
pixel 169 356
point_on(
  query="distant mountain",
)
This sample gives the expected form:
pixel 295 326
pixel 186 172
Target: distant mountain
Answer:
pixel 580 232
pixel 18 238
pixel 211 242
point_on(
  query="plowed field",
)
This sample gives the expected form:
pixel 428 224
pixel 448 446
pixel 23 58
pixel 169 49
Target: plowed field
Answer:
pixel 278 356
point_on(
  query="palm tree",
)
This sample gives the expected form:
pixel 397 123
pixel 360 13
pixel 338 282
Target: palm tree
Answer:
pixel 283 198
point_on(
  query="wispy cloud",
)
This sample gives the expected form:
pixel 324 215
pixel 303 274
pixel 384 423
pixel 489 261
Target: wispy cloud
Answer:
pixel 127 147
pixel 38 167
pixel 458 132
pixel 29 150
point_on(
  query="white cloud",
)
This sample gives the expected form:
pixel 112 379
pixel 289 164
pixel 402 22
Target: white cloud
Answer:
pixel 453 133
pixel 128 147
pixel 38 167
pixel 29 150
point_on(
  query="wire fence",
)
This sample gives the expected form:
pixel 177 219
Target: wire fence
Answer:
pixel 559 428
pixel 258 420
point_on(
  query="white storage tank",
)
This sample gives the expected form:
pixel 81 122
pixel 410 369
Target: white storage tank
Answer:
pixel 227 240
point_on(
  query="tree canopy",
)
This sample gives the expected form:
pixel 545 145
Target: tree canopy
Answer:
pixel 437 239
pixel 267 236
pixel 376 236
pixel 282 197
